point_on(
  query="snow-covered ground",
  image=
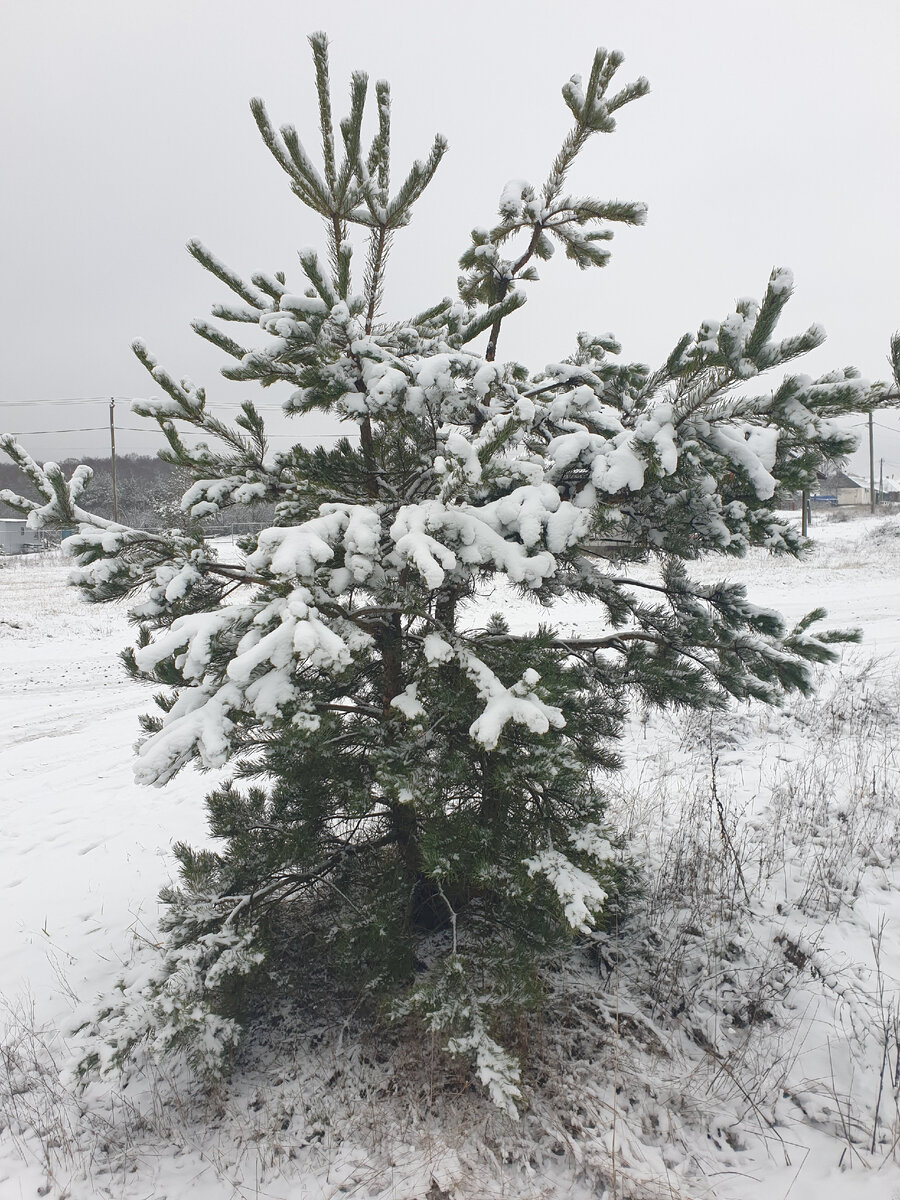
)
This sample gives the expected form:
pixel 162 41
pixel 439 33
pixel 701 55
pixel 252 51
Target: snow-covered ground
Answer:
pixel 739 1037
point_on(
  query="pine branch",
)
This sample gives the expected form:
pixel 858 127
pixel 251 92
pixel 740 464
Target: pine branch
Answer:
pixel 379 249
pixel 502 287
pixel 217 338
pixel 319 43
pixel 312 188
pixel 209 262
pixel 418 179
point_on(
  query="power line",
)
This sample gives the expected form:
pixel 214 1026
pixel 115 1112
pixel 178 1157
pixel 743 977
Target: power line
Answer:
pixel 41 432
pixel 97 400
pixel 61 400
pixel 9 404
pixel 296 437
pixel 865 425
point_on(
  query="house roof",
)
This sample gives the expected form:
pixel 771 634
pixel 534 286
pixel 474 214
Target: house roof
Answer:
pixel 829 484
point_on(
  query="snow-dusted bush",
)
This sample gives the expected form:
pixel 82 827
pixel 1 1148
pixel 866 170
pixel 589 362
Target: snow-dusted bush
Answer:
pixel 417 797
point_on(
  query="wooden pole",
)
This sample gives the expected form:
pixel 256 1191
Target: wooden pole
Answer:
pixel 871 465
pixel 112 455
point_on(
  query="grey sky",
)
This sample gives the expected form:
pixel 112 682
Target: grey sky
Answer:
pixel 769 138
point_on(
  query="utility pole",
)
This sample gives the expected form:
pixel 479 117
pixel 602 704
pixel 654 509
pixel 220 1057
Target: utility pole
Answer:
pixel 112 455
pixel 871 465
pixel 881 481
pixel 804 513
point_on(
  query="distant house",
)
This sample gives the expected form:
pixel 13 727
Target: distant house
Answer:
pixel 839 488
pixel 17 538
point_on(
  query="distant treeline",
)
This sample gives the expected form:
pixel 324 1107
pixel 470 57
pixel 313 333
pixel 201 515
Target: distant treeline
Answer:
pixel 149 491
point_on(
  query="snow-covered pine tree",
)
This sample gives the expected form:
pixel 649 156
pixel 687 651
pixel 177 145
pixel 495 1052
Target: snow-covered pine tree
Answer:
pixel 416 795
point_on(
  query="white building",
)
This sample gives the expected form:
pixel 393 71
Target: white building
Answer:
pixel 839 489
pixel 17 538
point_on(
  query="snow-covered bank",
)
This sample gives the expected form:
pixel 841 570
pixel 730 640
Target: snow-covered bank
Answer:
pixel 733 1039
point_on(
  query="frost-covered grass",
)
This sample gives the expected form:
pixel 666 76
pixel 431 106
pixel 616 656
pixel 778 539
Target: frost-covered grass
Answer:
pixel 769 945
pixel 736 1036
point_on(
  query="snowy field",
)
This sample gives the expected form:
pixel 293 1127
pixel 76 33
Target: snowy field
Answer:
pixel 738 1037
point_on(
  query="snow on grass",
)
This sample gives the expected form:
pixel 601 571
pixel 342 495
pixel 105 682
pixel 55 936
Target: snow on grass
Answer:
pixel 769 948
pixel 81 859
pixel 737 1036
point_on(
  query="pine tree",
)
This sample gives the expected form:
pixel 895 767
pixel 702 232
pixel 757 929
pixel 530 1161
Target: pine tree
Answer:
pixel 416 795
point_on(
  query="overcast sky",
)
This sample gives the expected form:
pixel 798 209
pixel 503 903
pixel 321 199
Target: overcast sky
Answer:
pixel 769 138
